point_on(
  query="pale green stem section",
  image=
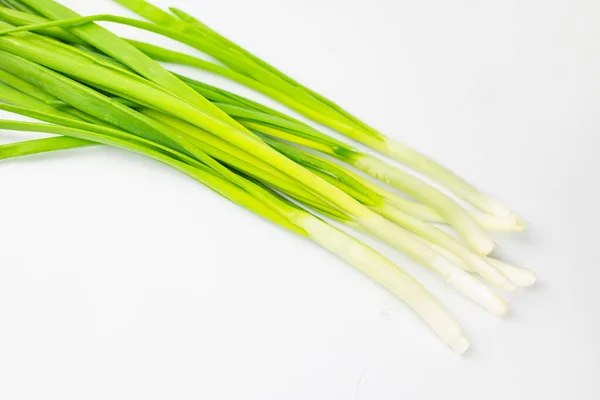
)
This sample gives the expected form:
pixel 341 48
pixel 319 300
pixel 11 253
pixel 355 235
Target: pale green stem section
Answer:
pixel 426 213
pixel 446 241
pixel 388 175
pixel 389 276
pixel 416 247
pixel 519 275
pixel 442 204
pixel 449 179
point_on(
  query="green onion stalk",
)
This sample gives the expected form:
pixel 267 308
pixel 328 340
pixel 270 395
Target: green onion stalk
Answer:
pixel 46 65
pixel 94 87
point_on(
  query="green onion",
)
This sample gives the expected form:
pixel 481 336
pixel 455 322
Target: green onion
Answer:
pixel 67 91
pixel 93 87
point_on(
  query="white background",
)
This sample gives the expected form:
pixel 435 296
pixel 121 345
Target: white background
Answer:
pixel 123 279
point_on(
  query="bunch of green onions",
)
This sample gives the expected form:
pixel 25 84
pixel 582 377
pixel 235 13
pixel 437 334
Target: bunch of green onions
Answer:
pixel 91 87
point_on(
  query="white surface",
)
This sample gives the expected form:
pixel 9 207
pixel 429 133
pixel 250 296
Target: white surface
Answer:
pixel 123 279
